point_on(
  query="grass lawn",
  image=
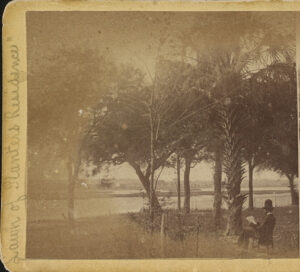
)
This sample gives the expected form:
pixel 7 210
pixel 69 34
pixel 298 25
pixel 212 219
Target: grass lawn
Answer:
pixel 126 237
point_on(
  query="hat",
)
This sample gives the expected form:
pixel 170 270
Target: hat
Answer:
pixel 268 205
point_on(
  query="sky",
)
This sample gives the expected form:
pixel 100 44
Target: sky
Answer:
pixel 125 37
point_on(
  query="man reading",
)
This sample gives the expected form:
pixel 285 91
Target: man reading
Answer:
pixel 264 231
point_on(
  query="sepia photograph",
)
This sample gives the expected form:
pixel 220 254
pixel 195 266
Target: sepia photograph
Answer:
pixel 161 135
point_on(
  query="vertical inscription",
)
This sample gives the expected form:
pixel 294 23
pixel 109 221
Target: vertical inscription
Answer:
pixel 12 168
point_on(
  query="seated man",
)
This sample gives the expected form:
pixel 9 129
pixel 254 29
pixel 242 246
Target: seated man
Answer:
pixel 264 231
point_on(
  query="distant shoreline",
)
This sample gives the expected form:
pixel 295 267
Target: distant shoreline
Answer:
pixel 103 194
pixel 197 193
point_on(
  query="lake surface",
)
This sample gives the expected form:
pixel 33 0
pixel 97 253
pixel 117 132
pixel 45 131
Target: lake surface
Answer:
pixel 57 209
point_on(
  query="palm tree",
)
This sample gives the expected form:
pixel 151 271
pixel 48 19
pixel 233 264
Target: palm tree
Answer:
pixel 241 44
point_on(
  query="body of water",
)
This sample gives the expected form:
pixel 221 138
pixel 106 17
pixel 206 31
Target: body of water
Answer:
pixel 92 207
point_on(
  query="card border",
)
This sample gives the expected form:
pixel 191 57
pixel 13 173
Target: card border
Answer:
pixel 13 230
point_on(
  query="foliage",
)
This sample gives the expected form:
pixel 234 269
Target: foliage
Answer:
pixel 280 94
pixel 241 45
pixel 58 110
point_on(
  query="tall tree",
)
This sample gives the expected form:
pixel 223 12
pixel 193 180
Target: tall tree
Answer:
pixel 178 166
pixel 58 106
pixel 187 82
pixel 280 149
pixel 121 133
pixel 217 186
pixel 256 132
pixel 242 43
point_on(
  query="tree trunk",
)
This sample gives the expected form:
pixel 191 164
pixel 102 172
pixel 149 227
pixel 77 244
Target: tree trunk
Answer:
pixel 217 188
pixel 71 189
pixel 187 190
pixel 233 168
pixel 235 199
pixel 156 208
pixel 146 184
pixel 178 183
pixel 294 195
pixel 73 171
pixel 151 189
pixel 250 169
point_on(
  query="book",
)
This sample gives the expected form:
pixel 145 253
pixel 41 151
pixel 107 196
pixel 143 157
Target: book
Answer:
pixel 251 219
